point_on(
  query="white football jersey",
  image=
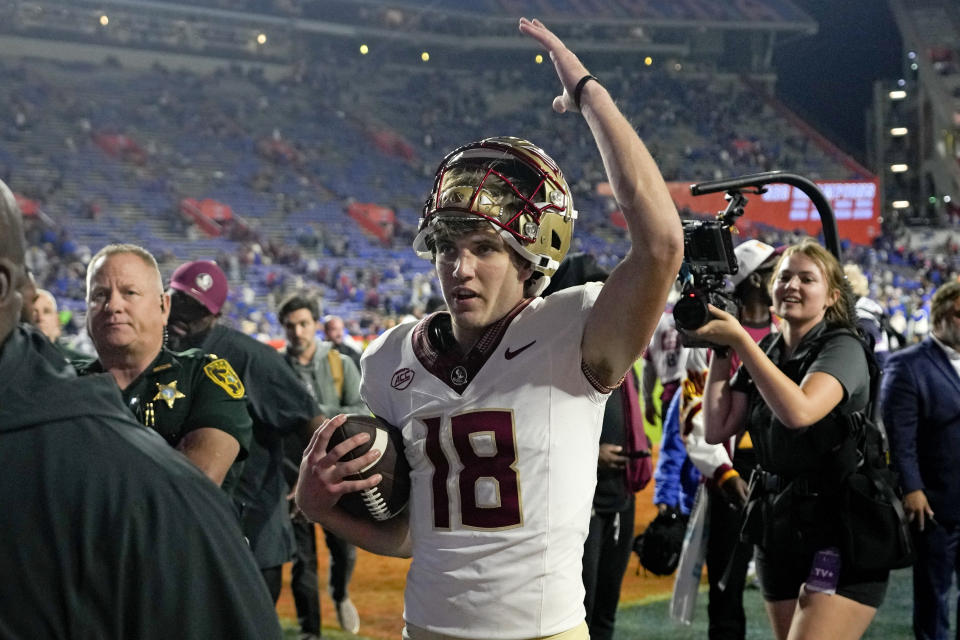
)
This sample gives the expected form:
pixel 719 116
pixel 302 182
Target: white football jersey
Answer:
pixel 503 445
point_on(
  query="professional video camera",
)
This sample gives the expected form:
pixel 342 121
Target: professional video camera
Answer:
pixel 708 258
pixel 708 247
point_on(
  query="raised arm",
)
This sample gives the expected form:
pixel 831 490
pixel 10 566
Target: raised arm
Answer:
pixel 795 405
pixel 626 313
pixel 724 410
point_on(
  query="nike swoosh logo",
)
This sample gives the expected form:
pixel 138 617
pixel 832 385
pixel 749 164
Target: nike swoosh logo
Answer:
pixel 510 355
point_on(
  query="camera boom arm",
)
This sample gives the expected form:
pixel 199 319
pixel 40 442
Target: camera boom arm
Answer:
pixel 733 186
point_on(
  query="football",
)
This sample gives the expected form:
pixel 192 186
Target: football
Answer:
pixel 389 497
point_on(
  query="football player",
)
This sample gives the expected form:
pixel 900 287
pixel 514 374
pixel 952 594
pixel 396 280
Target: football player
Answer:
pixel 500 399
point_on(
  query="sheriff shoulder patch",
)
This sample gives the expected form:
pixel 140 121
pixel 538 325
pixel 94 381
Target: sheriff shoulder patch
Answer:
pixel 225 377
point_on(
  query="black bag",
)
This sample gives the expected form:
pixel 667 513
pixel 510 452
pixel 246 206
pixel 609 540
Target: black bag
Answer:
pixel 874 530
pixel 875 533
pixel 660 545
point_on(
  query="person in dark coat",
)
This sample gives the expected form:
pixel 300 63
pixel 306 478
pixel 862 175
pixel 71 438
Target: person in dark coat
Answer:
pixel 921 411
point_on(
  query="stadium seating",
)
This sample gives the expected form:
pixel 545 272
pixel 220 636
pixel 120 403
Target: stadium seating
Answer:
pixel 109 155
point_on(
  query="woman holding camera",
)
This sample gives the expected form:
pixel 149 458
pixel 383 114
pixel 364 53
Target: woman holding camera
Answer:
pixel 790 393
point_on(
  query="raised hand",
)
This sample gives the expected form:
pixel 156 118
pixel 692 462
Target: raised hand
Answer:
pixel 568 66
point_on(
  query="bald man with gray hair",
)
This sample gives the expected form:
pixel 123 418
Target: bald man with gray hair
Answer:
pixel 196 401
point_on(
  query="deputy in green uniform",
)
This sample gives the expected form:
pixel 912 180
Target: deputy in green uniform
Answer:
pixel 194 400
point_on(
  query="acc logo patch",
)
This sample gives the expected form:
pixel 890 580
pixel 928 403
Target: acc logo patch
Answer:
pixel 225 377
pixel 402 379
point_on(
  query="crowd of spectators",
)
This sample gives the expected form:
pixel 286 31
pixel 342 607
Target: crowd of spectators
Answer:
pixel 104 154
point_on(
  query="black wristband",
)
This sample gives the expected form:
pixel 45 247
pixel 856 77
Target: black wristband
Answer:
pixel 579 89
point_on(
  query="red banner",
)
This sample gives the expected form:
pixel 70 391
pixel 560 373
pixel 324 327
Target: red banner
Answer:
pixel 374 219
pixel 193 209
pixel 855 204
pixel 393 144
pixel 120 146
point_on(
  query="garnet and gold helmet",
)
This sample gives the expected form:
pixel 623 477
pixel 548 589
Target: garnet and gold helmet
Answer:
pixel 515 186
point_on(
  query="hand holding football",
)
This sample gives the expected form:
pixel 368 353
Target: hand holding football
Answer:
pixel 389 497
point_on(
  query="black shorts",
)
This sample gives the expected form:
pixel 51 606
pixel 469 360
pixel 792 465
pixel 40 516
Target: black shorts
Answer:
pixel 781 575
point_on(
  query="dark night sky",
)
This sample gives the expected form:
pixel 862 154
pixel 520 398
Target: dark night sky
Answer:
pixel 827 79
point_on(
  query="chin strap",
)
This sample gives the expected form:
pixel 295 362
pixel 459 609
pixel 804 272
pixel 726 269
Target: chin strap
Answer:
pixel 539 263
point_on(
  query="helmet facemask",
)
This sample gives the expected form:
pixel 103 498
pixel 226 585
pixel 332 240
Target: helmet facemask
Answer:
pixel 517 188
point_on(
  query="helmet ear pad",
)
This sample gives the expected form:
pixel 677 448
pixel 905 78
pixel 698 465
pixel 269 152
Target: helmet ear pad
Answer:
pixel 554 237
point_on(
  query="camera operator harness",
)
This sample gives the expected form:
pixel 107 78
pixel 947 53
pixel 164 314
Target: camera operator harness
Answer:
pixel 708 258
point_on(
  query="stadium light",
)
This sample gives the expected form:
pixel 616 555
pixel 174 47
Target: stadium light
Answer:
pixel 364 49
pixel 897 132
pixel 899 168
pixel 900 204
pixel 104 20
pixel 261 38
pixel 425 56
pixel 898 94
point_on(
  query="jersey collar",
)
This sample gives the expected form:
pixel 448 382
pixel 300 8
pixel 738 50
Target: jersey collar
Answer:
pixel 451 366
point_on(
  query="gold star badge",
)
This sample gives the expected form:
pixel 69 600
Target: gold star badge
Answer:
pixel 168 393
